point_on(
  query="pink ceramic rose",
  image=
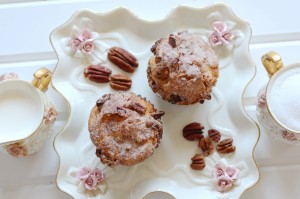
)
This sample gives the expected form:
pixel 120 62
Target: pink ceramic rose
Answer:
pixel 82 41
pixel 91 183
pixel 221 35
pixel 75 43
pixel 85 34
pixel 219 26
pixel 289 136
pixel 17 150
pixel 90 178
pixel 224 183
pixel 84 173
pixel 226 37
pixel 225 176
pixel 87 47
pixel 232 171
pixel 218 171
pixel 215 39
pixel 98 174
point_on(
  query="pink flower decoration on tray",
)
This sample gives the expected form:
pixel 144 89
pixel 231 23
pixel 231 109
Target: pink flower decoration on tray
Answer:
pixel 83 41
pixel 17 150
pixel 221 34
pixel 225 176
pixel 224 183
pixel 89 178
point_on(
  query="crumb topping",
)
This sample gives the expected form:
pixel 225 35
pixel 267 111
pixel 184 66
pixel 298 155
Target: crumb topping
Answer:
pixel 124 130
pixel 191 64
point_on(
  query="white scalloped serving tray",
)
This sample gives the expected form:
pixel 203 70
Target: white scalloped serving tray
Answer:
pixel 167 170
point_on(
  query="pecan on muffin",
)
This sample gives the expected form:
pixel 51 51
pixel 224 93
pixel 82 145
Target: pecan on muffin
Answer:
pixel 183 69
pixel 125 128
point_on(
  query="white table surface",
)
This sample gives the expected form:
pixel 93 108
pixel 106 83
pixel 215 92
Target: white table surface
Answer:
pixel 24 47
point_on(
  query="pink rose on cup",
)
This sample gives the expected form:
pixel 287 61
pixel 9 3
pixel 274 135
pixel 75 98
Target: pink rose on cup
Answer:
pixel 224 183
pixel 87 47
pixel 225 176
pixel 7 76
pixel 50 115
pixel 90 178
pixel 289 136
pixel 221 35
pixel 17 150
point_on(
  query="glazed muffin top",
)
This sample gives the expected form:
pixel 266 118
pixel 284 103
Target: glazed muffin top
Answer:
pixel 184 68
pixel 125 128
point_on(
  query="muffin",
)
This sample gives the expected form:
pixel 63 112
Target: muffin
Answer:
pixel 183 69
pixel 125 128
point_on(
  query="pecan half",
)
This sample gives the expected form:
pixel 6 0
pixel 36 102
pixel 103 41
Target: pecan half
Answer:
pixel 120 82
pixel 139 108
pixel 193 131
pixel 103 99
pixel 157 115
pixel 206 145
pixel 225 146
pixel 123 59
pixel 97 73
pixel 198 162
pixel 214 135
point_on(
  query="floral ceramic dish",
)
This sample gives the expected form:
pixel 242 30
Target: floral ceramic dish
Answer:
pixel 86 38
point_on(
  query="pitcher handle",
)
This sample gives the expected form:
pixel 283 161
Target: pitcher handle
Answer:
pixel 42 78
pixel 272 62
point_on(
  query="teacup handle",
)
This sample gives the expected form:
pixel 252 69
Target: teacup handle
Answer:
pixel 42 78
pixel 272 62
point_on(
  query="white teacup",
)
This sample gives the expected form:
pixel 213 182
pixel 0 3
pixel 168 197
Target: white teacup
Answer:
pixel 278 105
pixel 26 114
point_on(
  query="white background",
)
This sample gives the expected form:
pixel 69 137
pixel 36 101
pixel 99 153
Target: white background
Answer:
pixel 24 46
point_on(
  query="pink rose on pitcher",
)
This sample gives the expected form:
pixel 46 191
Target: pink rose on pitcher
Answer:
pixel 289 136
pixel 261 98
pixel 17 150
